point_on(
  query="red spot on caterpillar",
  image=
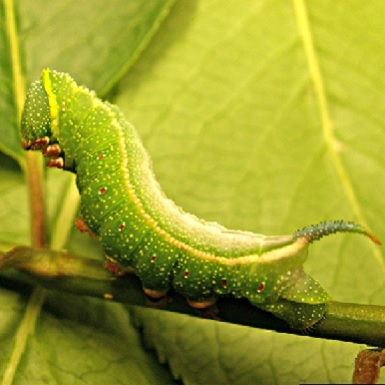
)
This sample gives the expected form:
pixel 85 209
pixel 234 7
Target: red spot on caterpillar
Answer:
pixel 224 283
pixel 121 226
pixel 114 268
pixel 63 106
pixel 186 274
pixel 101 156
pixel 102 190
pixel 261 287
pixel 153 258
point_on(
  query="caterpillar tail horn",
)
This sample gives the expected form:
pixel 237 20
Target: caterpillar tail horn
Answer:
pixel 316 232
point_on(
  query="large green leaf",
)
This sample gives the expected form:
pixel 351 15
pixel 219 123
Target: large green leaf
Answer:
pixel 74 341
pixel 262 115
pixel 265 117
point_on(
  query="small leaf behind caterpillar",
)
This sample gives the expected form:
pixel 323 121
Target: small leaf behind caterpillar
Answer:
pixel 140 227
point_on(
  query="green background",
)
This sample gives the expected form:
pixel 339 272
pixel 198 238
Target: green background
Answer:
pixel 261 115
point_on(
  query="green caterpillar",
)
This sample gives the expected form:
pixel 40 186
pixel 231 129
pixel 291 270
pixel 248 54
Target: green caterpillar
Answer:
pixel 139 227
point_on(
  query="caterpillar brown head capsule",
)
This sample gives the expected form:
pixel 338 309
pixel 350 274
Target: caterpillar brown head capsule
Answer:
pixel 140 228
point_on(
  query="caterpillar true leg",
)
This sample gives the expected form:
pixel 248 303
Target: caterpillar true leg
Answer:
pixel 81 226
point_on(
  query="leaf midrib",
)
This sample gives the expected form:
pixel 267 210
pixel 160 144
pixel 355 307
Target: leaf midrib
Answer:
pixel 303 25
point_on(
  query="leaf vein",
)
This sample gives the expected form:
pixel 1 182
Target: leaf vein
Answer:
pixel 303 24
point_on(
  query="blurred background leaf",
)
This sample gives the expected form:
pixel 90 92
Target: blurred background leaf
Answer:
pixel 226 99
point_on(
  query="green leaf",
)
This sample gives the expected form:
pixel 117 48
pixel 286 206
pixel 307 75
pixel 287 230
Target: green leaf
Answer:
pixel 10 63
pixel 95 42
pixel 77 341
pixel 199 351
pixel 251 124
pixel 14 214
pixel 73 341
pixel 262 115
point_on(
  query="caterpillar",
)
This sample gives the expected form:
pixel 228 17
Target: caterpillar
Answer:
pixel 140 228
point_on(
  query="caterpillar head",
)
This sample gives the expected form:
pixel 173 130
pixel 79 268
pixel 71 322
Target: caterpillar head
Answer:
pixel 36 130
pixel 40 128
